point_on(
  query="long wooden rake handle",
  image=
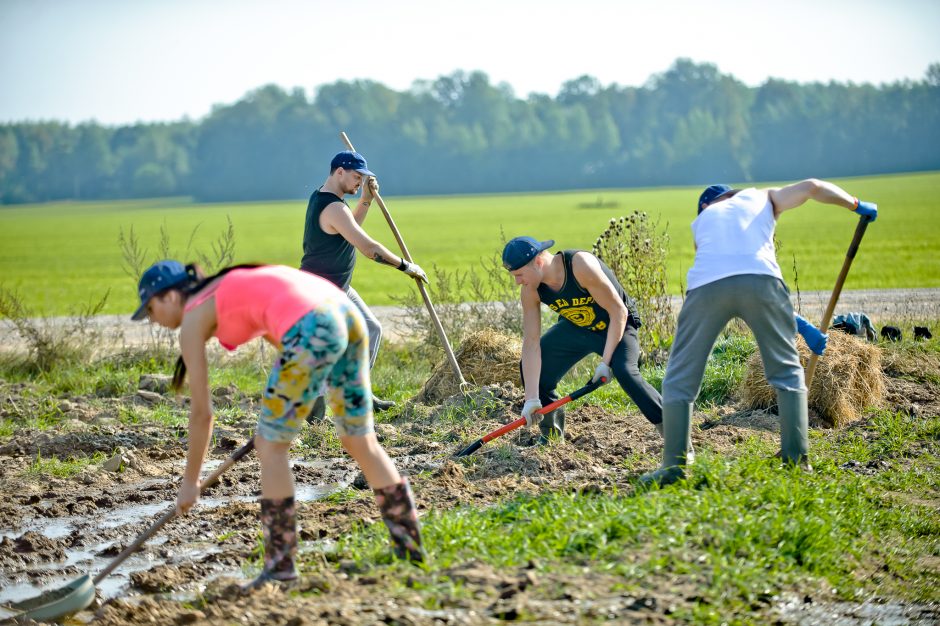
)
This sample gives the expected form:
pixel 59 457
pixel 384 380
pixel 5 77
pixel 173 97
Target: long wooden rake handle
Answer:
pixel 834 298
pixel 424 293
pixel 210 480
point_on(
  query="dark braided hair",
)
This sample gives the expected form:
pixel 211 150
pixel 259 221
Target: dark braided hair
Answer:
pixel 195 281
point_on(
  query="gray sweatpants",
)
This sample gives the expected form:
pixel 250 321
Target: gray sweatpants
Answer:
pixel 763 302
pixel 372 323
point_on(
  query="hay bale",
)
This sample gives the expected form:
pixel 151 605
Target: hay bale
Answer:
pixel 848 378
pixel 486 357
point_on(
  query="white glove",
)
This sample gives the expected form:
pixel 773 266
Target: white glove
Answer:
pixel 529 412
pixel 602 371
pixel 414 270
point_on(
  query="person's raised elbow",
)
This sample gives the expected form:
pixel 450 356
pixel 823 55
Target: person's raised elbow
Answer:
pixel 813 187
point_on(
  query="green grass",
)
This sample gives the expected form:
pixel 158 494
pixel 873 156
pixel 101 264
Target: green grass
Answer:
pixel 61 256
pixel 741 529
pixel 738 531
pixel 52 466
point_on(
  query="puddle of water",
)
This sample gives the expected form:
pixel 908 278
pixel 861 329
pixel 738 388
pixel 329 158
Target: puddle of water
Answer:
pixel 117 583
pixel 59 527
pixel 861 614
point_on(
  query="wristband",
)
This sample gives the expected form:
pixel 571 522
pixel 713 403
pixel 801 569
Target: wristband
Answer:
pixel 403 266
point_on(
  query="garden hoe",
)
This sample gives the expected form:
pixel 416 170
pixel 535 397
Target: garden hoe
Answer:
pixel 79 593
pixel 834 298
pixel 499 432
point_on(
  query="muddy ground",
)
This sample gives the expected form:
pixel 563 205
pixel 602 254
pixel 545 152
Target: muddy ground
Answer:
pixel 53 530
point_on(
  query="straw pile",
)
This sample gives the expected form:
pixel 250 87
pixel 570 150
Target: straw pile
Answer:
pixel 848 378
pixel 486 357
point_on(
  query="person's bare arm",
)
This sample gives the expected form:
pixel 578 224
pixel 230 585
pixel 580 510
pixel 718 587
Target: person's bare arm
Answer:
pixel 797 194
pixel 531 336
pixel 370 187
pixel 587 270
pixel 198 326
pixel 338 219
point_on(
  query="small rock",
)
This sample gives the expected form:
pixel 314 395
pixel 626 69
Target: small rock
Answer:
pixel 385 430
pixel 66 407
pixel 150 397
pixel 105 421
pixel 159 383
pixel 191 617
pixel 89 475
pixel 120 459
pixel 74 424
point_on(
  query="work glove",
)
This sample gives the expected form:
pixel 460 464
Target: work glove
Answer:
pixel 414 270
pixel 601 371
pixel 815 339
pixel 530 412
pixel 867 209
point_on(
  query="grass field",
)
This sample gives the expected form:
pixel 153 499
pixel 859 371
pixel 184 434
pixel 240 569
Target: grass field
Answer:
pixel 61 256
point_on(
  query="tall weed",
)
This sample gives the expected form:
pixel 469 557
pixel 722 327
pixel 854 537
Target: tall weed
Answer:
pixel 50 342
pixel 635 248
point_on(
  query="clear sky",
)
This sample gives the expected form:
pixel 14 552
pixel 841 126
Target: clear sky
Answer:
pixel 120 61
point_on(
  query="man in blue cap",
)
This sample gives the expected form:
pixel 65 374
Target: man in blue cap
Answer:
pixel 333 233
pixel 595 315
pixel 735 274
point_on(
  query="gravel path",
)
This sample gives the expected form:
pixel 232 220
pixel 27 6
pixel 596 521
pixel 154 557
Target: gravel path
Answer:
pixel 896 305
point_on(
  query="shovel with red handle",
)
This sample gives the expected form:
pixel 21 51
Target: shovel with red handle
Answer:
pixel 499 432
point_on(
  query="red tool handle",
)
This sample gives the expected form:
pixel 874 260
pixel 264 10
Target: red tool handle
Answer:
pixel 499 432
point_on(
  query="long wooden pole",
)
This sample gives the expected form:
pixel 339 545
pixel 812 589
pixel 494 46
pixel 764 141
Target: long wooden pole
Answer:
pixel 424 293
pixel 834 298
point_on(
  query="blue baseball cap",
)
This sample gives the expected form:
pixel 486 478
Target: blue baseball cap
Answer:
pixel 711 192
pixel 160 276
pixel 349 160
pixel 521 250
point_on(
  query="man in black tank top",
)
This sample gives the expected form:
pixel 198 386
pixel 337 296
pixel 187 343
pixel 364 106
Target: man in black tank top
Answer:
pixel 333 233
pixel 595 315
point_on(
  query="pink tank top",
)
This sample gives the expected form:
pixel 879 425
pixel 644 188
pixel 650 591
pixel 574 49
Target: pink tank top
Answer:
pixel 266 300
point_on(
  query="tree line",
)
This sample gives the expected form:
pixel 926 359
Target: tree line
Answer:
pixel 459 133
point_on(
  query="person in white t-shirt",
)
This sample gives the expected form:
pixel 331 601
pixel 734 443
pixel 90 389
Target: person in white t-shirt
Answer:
pixel 735 274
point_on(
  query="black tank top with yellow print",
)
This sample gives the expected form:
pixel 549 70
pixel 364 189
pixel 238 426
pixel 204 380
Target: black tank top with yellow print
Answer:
pixel 575 304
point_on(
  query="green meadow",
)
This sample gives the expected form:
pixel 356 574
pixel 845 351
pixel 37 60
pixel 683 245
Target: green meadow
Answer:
pixel 61 256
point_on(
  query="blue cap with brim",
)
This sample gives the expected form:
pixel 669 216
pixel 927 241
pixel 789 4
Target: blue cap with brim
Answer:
pixel 349 160
pixel 160 276
pixel 521 250
pixel 711 192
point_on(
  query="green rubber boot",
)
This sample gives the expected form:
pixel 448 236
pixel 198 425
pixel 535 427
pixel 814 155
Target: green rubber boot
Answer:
pixel 690 451
pixel 677 424
pixel 794 425
pixel 552 427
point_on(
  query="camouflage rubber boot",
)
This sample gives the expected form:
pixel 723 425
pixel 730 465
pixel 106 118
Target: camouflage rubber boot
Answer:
pixel 552 427
pixel 677 421
pixel 279 527
pixel 794 426
pixel 397 505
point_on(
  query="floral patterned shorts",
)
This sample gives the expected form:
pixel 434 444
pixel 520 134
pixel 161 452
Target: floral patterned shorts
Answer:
pixel 327 346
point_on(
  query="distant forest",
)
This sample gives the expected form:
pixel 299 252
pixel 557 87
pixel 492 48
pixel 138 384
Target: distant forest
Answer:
pixel 459 133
